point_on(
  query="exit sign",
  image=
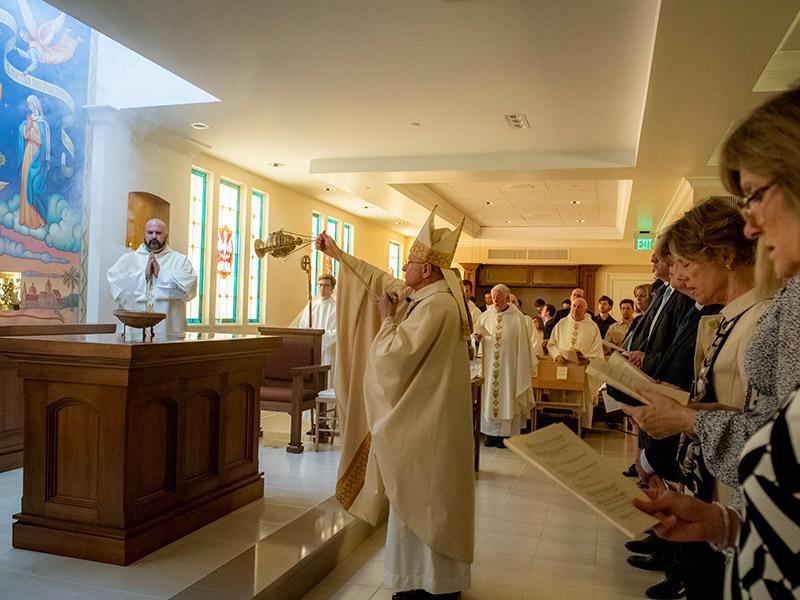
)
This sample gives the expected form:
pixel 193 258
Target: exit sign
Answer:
pixel 643 242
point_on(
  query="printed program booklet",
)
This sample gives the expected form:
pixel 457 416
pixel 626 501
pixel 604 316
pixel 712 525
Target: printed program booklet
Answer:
pixel 578 467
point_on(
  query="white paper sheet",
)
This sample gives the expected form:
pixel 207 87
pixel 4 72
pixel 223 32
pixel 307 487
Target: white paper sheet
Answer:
pixel 579 468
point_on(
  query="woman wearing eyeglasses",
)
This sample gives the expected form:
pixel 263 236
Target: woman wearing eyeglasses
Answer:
pixel 761 162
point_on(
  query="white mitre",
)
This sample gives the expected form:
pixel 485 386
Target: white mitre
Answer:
pixel 437 247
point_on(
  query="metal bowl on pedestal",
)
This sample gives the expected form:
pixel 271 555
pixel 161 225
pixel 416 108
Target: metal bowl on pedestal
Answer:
pixel 140 320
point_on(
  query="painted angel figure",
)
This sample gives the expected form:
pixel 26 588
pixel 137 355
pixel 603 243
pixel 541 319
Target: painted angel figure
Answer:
pixel 41 48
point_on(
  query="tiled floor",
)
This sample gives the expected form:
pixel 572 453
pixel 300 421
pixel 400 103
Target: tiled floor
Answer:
pixel 533 539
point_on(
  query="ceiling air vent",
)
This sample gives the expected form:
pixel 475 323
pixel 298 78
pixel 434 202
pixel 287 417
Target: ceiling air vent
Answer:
pixel 528 254
pixel 548 253
pixel 508 254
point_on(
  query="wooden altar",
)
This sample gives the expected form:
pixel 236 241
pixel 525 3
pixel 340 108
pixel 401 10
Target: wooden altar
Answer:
pixel 131 445
pixel 12 405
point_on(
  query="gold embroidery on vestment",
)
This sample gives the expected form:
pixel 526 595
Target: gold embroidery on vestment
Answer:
pixel 350 484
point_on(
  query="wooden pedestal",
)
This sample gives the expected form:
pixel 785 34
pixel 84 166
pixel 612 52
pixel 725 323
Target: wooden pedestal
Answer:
pixel 132 445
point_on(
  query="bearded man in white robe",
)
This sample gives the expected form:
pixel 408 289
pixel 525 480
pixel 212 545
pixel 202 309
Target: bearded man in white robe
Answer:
pixel 509 362
pixel 407 412
pixel 155 278
pixel 579 334
pixel 323 315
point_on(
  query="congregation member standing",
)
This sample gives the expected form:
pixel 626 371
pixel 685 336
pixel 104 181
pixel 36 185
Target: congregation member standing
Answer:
pixel 576 332
pixel 509 363
pixel 603 318
pixel 760 162
pixel 155 278
pixel 415 388
pixel 474 311
pixel 617 332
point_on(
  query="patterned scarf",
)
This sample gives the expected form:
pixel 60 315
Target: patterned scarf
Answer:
pixel 772 359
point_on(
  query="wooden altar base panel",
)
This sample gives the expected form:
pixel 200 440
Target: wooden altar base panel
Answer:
pixel 118 551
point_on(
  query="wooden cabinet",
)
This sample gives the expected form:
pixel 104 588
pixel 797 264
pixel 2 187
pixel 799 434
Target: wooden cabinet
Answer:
pixel 540 276
pixel 132 445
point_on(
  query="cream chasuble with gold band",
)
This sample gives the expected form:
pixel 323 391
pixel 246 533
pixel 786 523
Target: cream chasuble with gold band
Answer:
pixel 583 335
pixel 509 363
pixel 413 440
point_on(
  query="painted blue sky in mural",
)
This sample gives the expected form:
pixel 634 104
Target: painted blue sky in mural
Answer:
pixel 42 126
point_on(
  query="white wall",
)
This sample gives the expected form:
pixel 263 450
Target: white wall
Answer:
pixel 123 161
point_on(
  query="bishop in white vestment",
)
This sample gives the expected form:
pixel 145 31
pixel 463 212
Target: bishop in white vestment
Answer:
pixel 509 362
pixel 407 416
pixel 577 332
pixel 155 278
pixel 323 315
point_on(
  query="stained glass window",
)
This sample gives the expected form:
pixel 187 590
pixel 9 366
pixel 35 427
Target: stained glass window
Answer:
pixel 316 255
pixel 257 212
pixel 347 238
pixel 197 233
pixel 332 229
pixel 227 251
pixel 394 260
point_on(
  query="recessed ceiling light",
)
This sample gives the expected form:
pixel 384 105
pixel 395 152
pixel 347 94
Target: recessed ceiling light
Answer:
pixel 508 221
pixel 330 189
pixel 574 201
pixel 580 220
pixel 398 222
pixel 415 124
pixel 199 125
pixel 489 203
pixel 276 165
pixel 366 207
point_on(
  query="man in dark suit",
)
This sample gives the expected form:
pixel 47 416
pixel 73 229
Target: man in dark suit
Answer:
pixel 656 329
pixel 548 315
pixel 658 456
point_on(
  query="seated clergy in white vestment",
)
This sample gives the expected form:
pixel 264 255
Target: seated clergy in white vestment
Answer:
pixel 155 278
pixel 579 333
pixel 509 362
pixel 323 315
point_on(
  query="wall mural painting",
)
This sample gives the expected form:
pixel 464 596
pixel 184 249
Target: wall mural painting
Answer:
pixel 43 85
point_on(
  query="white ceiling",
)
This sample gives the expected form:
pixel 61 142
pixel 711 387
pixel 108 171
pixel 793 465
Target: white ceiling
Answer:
pixel 626 99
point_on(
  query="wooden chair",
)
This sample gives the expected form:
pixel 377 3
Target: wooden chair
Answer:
pixel 327 418
pixel 293 377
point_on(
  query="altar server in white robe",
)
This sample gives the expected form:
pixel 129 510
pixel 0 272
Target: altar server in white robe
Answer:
pixel 323 315
pixel 155 278
pixel 577 332
pixel 509 362
pixel 407 413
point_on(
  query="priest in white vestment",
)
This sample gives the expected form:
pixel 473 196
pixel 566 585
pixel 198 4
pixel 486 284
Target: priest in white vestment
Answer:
pixel 155 278
pixel 323 315
pixel 407 412
pixel 509 362
pixel 576 332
